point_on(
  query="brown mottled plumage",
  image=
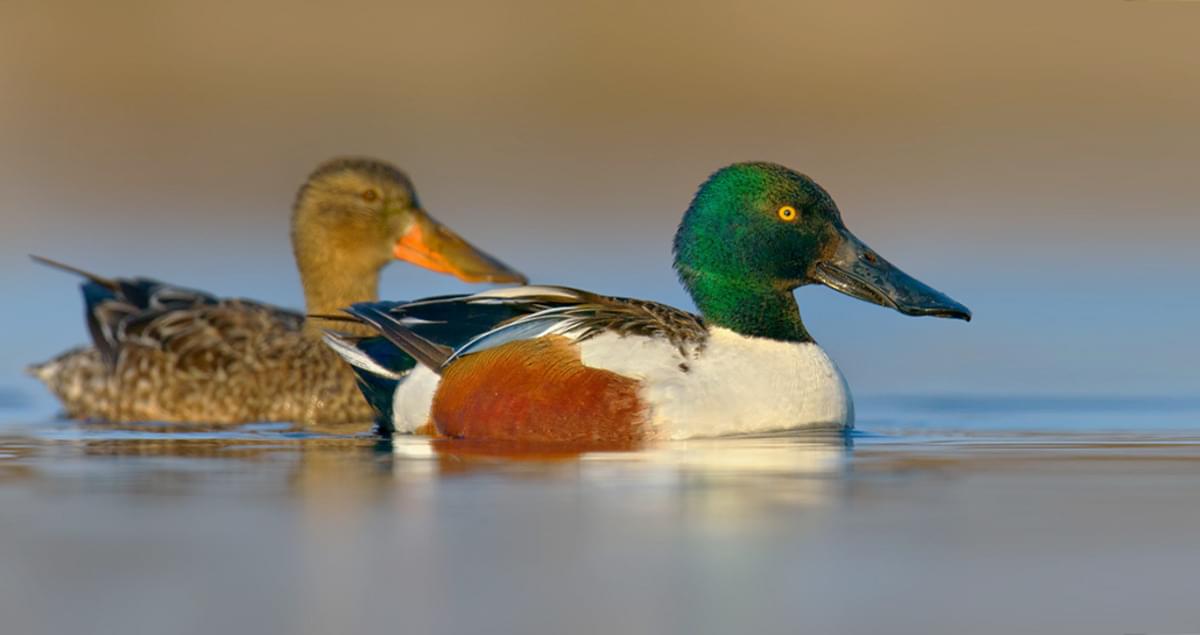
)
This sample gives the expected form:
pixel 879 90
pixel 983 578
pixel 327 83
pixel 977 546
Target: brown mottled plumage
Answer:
pixel 276 374
pixel 165 353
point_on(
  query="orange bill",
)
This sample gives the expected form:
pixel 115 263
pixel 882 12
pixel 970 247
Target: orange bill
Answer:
pixel 430 244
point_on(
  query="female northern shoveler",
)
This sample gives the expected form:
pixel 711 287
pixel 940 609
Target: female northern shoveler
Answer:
pixel 554 364
pixel 165 353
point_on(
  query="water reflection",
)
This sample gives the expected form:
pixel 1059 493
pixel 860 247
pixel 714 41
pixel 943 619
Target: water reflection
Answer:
pixel 304 462
pixel 352 523
pixel 725 482
pixel 276 529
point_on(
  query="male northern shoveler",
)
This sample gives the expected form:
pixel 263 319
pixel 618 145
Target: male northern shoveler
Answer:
pixel 553 364
pixel 165 353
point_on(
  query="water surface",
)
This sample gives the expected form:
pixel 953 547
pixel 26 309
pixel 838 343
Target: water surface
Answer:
pixel 939 515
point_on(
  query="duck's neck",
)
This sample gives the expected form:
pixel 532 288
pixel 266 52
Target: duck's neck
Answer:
pixel 332 284
pixel 748 307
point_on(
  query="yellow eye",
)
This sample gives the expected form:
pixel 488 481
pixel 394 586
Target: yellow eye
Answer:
pixel 787 213
pixel 370 195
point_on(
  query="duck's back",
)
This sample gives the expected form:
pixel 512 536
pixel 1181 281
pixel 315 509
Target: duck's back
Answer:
pixel 164 353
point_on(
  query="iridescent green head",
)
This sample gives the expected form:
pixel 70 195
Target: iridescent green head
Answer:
pixel 756 231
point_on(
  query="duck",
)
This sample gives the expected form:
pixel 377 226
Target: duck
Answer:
pixel 165 353
pixel 547 364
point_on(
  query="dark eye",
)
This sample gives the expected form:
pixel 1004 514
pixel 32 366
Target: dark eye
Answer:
pixel 370 196
pixel 787 213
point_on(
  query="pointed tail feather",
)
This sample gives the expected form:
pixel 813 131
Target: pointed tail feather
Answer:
pixel 424 351
pixel 98 279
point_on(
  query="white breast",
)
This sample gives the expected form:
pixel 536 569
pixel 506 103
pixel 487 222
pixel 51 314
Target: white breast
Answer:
pixel 736 384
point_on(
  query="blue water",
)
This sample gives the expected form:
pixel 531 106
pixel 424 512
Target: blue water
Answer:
pixel 939 514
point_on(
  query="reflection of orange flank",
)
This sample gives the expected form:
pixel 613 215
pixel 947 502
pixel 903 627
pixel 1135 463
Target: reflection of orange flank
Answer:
pixel 536 391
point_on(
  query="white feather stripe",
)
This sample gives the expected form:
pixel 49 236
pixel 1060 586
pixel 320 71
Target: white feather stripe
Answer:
pixel 540 324
pixel 413 321
pixel 529 291
pixel 735 385
pixel 357 358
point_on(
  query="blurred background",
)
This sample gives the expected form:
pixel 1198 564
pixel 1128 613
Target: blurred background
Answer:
pixel 1036 160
